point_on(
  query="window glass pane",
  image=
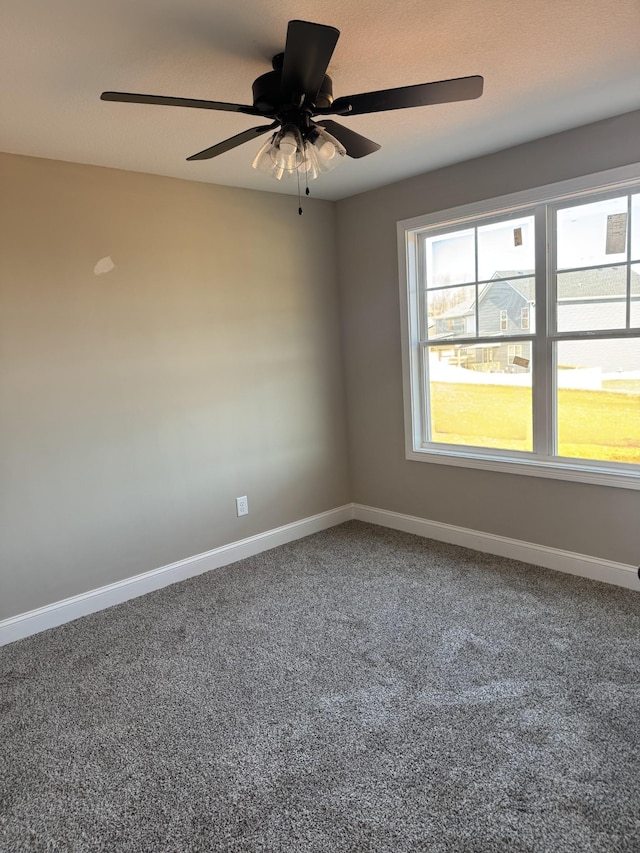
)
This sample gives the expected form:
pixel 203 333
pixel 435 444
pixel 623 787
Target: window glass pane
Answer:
pixel 500 306
pixel 451 259
pixel 587 235
pixel 635 227
pixel 592 299
pixel 598 400
pixel 505 247
pixel 480 395
pixel 451 312
pixel 635 295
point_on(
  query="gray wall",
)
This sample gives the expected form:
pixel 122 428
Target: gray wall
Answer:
pixel 136 405
pixel 595 520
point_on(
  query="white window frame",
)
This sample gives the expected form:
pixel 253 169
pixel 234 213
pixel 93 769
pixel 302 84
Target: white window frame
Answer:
pixel 541 463
pixel 525 318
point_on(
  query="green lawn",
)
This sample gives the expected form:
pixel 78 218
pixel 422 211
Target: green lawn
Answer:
pixel 591 424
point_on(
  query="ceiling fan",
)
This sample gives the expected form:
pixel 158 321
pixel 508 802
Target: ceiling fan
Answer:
pixel 297 91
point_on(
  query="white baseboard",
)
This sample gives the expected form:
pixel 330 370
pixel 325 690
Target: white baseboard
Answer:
pixel 619 574
pixel 52 615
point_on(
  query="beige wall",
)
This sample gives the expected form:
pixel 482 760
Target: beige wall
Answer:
pixel 603 522
pixel 136 405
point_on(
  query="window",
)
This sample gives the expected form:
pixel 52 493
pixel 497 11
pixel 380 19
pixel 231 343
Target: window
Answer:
pixel 515 352
pixel 521 332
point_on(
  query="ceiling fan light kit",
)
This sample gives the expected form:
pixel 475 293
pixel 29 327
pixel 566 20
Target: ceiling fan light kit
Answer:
pixel 287 152
pixel 297 91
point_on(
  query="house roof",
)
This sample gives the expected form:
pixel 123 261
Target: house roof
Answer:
pixel 588 284
pixel 526 287
pixel 593 284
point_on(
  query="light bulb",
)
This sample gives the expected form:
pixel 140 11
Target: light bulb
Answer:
pixel 309 166
pixel 288 145
pixel 326 151
pixel 287 149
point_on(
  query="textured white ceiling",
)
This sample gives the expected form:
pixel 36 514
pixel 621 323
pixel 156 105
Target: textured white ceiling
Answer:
pixel 548 65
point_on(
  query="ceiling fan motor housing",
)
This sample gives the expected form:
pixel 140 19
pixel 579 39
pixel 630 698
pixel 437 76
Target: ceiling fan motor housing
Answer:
pixel 269 98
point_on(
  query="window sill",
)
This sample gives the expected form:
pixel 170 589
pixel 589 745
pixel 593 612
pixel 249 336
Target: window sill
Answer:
pixel 554 469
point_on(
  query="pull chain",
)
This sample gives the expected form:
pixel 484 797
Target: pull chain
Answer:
pixel 299 200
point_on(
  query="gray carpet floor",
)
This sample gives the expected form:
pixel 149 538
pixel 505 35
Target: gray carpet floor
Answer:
pixel 358 690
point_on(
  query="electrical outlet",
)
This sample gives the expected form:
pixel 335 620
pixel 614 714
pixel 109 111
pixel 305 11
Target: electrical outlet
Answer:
pixel 242 506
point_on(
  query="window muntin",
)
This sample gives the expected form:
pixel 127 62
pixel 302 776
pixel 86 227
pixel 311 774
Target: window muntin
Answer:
pixel 463 271
pixel 634 308
pixel 468 372
pixel 635 226
pixel 608 290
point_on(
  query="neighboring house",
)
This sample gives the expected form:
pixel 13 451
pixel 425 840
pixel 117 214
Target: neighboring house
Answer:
pixel 586 300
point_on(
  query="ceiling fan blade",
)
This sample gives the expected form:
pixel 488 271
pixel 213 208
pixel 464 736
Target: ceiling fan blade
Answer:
pixel 232 142
pixel 307 53
pixel 357 146
pixel 422 95
pixel 131 98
